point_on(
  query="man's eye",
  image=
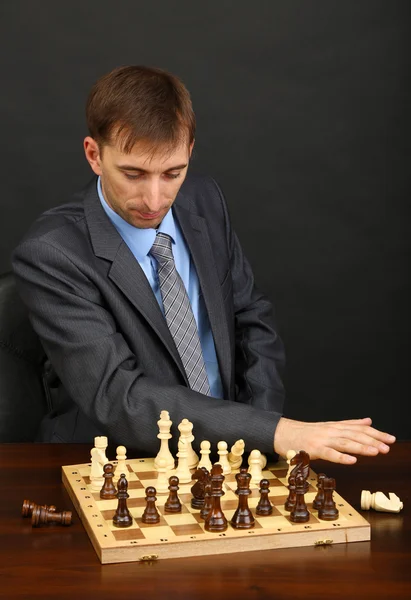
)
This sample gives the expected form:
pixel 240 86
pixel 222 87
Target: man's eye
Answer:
pixel 132 176
pixel 172 176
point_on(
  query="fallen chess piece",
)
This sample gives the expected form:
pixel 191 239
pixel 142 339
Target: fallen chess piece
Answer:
pixel 379 501
pixel 29 505
pixel 42 516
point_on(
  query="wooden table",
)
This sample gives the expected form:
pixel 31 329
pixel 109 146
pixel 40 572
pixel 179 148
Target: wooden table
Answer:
pixel 58 562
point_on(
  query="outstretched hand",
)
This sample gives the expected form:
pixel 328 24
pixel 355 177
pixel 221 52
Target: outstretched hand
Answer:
pixel 335 441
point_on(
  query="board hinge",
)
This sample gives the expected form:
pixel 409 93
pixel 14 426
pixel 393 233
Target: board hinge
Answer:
pixel 325 542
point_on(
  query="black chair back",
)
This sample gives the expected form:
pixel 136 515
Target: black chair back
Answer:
pixel 22 396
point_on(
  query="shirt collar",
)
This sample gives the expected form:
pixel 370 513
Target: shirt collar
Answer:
pixel 139 240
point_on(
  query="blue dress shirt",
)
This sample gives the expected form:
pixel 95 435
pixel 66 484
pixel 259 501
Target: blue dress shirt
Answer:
pixel 140 241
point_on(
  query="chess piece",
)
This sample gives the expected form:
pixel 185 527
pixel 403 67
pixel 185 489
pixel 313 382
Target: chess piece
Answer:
pixel 101 443
pixel 96 473
pixel 28 506
pixel 151 515
pixel 255 469
pixel 299 513
pixel 319 498
pixel 205 455
pixel 290 502
pixel 300 464
pixel 121 466
pixel 162 479
pixel 183 472
pixel 122 516
pixel 379 501
pixel 290 454
pixel 186 433
pixel 223 457
pixel 208 501
pixel 243 517
pixel 235 457
pixel 264 506
pixel 216 520
pixel 108 491
pixel 164 426
pixel 173 504
pixel 197 490
pixel 263 460
pixel 328 511
pixel 42 516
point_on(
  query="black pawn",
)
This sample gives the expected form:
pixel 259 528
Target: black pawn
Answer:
pixel 319 499
pixel 122 517
pixel 108 491
pixel 173 504
pixel 264 506
pixel 329 510
pixel 151 515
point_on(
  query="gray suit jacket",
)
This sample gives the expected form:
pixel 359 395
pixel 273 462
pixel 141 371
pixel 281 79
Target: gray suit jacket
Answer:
pixel 114 365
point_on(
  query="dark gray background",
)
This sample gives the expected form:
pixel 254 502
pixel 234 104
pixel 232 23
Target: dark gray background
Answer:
pixel 302 112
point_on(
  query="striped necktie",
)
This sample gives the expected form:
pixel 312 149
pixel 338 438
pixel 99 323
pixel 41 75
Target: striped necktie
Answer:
pixel 179 315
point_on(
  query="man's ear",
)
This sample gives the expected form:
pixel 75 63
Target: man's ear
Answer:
pixel 191 148
pixel 92 152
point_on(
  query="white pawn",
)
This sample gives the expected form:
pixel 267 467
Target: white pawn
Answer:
pixel 97 472
pixel 121 466
pixel 182 471
pixel 290 454
pixel 222 457
pixel 205 456
pixel 255 466
pixel 162 479
pixel 235 457
pixel 186 433
pixel 164 426
pixel 263 460
pixel 101 443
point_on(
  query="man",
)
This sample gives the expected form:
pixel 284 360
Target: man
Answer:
pixel 144 300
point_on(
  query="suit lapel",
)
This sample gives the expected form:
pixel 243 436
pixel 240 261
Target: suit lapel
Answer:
pixel 125 270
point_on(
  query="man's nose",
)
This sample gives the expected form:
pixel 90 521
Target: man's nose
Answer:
pixel 152 197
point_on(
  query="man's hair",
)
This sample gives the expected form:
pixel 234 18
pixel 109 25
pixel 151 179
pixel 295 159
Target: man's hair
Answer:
pixel 140 104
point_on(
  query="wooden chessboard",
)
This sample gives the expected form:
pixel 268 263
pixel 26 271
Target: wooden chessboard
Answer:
pixel 183 534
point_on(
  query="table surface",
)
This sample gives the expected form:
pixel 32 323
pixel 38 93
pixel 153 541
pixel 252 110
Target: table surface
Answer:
pixel 59 562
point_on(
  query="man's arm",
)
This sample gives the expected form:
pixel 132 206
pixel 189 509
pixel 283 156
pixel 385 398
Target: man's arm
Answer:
pixel 101 373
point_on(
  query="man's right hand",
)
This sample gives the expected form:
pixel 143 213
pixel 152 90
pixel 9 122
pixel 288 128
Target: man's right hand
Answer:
pixel 335 441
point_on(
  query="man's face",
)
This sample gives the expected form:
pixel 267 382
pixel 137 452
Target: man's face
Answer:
pixel 139 186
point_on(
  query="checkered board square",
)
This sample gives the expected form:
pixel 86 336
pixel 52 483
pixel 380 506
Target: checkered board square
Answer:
pixel 183 534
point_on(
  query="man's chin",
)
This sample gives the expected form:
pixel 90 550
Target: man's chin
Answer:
pixel 144 223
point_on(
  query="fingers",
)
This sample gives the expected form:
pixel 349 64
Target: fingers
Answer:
pixel 366 434
pixel 364 438
pixel 335 456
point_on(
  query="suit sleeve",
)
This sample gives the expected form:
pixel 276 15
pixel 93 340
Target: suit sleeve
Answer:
pixel 104 377
pixel 259 351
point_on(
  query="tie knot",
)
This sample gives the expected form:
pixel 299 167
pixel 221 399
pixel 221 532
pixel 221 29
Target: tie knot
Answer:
pixel 161 249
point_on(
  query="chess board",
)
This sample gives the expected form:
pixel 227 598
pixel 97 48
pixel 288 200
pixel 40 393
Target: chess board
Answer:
pixel 183 534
